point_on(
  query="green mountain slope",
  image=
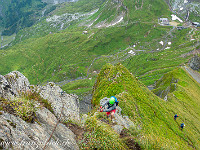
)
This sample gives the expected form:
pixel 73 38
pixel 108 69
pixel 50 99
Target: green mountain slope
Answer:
pixel 70 54
pixel 152 115
pixel 19 14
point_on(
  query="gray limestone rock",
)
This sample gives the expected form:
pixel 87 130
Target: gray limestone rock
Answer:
pixel 17 82
pixel 69 103
pixel 18 134
pixel 5 89
pixel 195 63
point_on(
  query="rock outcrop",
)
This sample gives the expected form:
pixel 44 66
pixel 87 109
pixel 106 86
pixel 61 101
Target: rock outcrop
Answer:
pixel 15 133
pixel 69 103
pixel 185 7
pixel 195 63
pixel 15 83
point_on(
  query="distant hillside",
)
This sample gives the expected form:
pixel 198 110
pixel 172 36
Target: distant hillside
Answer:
pixel 77 39
pixel 57 1
pixel 188 9
pixel 16 15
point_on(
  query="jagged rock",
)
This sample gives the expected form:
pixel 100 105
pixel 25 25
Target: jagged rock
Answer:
pixel 5 89
pixel 67 102
pixel 85 103
pixel 195 63
pixel 62 133
pixel 18 82
pixel 123 121
pixel 22 135
pixel 13 84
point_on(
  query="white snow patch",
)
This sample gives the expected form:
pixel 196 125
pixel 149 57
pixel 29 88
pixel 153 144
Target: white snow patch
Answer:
pixel 169 43
pixel 181 8
pixel 161 42
pixel 131 52
pixel 116 22
pixel 174 17
pixel 62 25
pixel 167 48
pixel 90 35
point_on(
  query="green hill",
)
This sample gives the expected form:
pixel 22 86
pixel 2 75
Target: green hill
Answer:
pixel 153 116
pixel 76 51
pixel 19 14
pixel 69 54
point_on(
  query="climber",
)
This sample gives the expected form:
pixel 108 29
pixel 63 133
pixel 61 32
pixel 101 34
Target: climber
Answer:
pixel 182 125
pixel 111 109
pixel 175 116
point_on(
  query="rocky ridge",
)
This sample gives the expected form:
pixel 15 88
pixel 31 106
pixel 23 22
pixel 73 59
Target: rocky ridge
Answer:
pixel 15 133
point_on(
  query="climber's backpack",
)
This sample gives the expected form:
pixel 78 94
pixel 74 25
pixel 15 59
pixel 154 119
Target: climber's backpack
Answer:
pixel 115 100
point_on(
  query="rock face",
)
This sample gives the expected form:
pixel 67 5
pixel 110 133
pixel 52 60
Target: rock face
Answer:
pixel 18 82
pixel 22 135
pixel 195 63
pixel 61 101
pixel 85 103
pixel 14 83
pixel 18 134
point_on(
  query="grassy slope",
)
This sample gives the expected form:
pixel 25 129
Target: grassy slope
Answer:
pixel 152 114
pixel 100 135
